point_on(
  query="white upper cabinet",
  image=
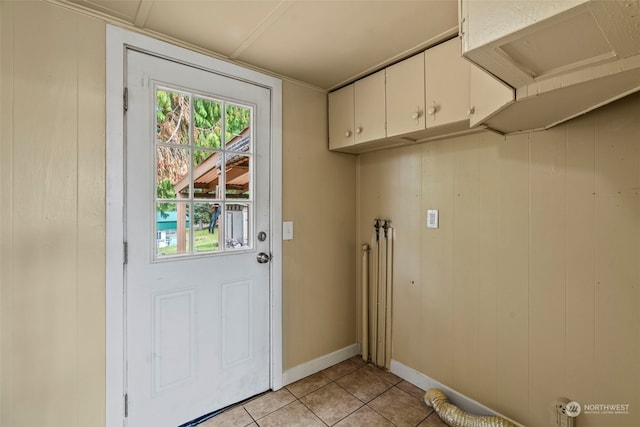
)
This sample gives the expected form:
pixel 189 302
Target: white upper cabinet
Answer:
pixel 341 120
pixel 357 113
pixel 528 40
pixel 405 96
pixel 429 95
pixel 447 83
pixel 369 97
pixel 457 91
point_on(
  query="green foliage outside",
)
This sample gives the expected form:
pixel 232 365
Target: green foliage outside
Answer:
pixel 238 119
pixel 202 214
pixel 173 119
pixel 165 191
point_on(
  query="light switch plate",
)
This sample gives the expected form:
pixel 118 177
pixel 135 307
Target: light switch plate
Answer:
pixel 432 218
pixel 287 230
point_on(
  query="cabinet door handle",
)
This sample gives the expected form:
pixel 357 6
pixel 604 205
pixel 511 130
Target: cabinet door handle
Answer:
pixel 432 110
pixel 358 130
pixel 347 134
pixel 416 115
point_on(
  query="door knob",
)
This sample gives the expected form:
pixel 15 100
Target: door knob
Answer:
pixel 263 258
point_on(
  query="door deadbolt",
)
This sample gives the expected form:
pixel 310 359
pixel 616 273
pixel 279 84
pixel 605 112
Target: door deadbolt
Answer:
pixel 262 236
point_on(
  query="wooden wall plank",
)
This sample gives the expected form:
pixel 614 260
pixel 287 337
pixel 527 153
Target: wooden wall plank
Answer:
pixel 581 260
pixel 488 230
pixel 512 280
pixel 617 311
pixel 436 260
pixel 547 276
pixel 45 180
pixel 406 218
pixel 90 284
pixel 6 210
pixel 466 264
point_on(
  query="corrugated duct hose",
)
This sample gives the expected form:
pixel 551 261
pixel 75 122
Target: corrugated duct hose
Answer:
pixel 456 417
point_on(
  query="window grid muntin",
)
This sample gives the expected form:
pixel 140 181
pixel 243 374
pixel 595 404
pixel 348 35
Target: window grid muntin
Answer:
pixel 223 201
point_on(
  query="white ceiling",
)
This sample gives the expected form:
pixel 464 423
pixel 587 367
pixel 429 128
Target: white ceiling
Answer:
pixel 321 42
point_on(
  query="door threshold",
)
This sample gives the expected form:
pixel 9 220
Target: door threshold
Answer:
pixel 210 415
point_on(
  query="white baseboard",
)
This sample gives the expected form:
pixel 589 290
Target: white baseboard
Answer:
pixel 316 365
pixel 424 382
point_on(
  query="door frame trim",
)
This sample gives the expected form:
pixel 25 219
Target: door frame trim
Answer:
pixel 118 40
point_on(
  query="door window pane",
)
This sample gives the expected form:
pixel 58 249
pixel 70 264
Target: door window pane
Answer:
pixel 237 127
pixel 207 174
pixel 238 176
pixel 172 228
pixel 203 186
pixel 207 126
pixel 236 228
pixel 206 235
pixel 172 171
pixel 173 112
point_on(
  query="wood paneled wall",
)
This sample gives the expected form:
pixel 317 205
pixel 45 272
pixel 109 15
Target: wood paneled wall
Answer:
pixel 53 216
pixel 530 288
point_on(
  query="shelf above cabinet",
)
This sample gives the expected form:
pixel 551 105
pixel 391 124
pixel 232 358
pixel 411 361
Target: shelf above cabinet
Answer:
pixel 523 42
pixel 565 58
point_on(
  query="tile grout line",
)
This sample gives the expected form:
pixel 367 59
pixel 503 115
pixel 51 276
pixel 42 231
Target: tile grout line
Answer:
pixel 334 381
pixel 368 369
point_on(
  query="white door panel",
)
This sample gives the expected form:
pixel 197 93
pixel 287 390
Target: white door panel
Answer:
pixel 197 320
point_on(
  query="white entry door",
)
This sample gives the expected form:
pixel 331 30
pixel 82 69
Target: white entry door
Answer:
pixel 198 238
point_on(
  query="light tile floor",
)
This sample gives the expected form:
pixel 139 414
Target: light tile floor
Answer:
pixel 349 394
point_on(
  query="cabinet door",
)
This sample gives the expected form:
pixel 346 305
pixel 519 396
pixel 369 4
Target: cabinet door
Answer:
pixel 341 118
pixel 488 95
pixel 405 96
pixel 447 84
pixel 370 108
